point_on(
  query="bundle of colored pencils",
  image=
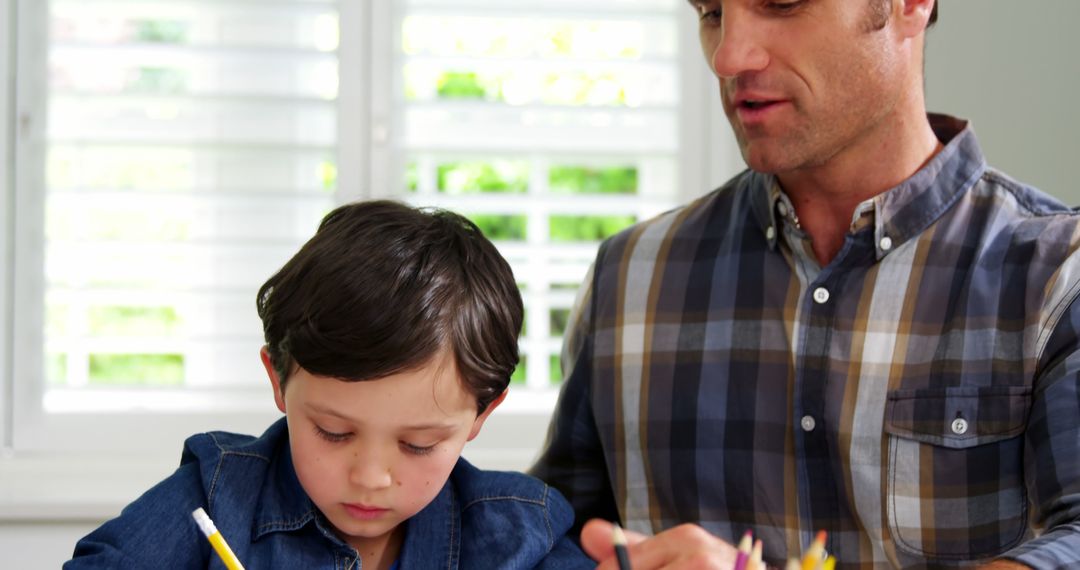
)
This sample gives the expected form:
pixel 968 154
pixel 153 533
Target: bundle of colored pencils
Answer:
pixel 814 558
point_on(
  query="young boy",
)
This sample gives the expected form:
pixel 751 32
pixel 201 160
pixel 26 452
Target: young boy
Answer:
pixel 390 338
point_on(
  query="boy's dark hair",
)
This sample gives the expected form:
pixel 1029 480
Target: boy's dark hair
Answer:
pixel 381 287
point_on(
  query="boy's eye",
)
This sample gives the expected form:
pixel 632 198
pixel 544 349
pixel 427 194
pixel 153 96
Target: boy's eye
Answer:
pixel 331 436
pixel 417 449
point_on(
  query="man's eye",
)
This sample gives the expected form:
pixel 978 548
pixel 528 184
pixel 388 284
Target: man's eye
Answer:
pixel 706 15
pixel 331 436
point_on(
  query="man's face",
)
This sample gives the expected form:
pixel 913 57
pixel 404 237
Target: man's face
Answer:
pixel 801 80
pixel 373 453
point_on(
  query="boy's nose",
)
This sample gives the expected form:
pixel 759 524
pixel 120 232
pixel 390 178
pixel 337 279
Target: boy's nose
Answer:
pixel 371 471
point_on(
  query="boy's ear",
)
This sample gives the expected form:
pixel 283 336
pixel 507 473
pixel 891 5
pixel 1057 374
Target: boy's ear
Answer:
pixel 479 421
pixel 279 396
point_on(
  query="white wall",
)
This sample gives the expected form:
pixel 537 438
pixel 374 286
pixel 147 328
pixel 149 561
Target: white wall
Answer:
pixel 40 545
pixel 1008 66
pixel 1012 69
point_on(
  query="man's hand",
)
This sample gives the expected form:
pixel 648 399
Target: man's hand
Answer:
pixel 685 546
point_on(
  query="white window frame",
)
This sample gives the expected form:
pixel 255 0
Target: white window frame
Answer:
pixel 7 221
pixel 88 484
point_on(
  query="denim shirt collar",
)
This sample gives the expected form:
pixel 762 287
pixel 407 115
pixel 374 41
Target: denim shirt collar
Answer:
pixel 907 209
pixel 283 505
pixel 432 536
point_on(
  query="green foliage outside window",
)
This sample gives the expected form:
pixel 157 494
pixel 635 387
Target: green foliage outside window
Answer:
pixel 496 176
pixel 518 377
pixel 581 88
pixel 56 368
pixel 161 31
pixel 461 85
pixel 569 228
pixel 559 319
pixel 133 321
pixel 505 227
pixel 158 80
pixel 136 369
pixel 555 370
pixel 328 175
pixel 412 177
pixel 585 180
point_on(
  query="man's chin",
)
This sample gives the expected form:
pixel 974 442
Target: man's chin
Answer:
pixel 764 162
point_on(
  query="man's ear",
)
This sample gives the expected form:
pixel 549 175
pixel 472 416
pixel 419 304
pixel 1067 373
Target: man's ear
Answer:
pixel 913 16
pixel 279 395
pixel 479 421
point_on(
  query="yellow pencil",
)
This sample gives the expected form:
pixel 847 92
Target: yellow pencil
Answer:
pixel 813 557
pixel 216 540
pixel 755 557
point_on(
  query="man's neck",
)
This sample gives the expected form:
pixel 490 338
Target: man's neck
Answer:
pixel 825 196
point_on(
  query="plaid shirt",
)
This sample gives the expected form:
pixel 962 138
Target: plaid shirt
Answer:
pixel 918 398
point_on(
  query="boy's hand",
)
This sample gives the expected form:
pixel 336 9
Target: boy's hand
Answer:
pixel 685 546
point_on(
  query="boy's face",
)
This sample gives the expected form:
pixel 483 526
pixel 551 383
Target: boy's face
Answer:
pixel 371 454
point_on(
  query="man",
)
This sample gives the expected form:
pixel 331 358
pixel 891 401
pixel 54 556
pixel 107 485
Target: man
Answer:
pixel 869 332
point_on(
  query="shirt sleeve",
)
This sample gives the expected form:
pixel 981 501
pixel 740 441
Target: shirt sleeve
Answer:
pixel 154 531
pixel 1052 451
pixel 573 459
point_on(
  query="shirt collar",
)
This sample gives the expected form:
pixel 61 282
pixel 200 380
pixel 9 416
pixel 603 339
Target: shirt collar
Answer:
pixel 283 505
pixel 433 535
pixel 907 209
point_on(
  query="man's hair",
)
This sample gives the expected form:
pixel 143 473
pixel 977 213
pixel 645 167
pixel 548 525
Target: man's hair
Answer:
pixel 382 287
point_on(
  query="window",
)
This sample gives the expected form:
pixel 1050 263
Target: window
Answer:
pixel 185 150
pixel 551 127
pixel 169 155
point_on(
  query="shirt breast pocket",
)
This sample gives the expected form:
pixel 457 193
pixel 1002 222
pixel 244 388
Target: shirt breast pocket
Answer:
pixel 955 487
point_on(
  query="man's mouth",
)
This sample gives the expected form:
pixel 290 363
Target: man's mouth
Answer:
pixel 755 104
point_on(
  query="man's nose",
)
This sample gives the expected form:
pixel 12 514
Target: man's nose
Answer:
pixel 740 48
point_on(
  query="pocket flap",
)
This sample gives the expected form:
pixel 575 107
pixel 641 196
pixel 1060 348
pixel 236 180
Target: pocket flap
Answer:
pixel 958 417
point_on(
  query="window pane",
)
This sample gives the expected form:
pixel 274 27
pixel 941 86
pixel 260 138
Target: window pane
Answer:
pixel 191 147
pixel 587 228
pixel 552 126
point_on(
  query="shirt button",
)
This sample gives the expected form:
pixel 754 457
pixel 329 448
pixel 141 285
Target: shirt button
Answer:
pixel 959 426
pixel 821 295
pixel 770 233
pixel 782 209
pixel 885 243
pixel 807 422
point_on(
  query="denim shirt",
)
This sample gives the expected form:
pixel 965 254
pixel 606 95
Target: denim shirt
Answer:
pixel 480 519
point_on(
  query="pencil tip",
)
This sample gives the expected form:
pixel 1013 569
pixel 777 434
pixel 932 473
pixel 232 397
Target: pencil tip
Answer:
pixel 619 536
